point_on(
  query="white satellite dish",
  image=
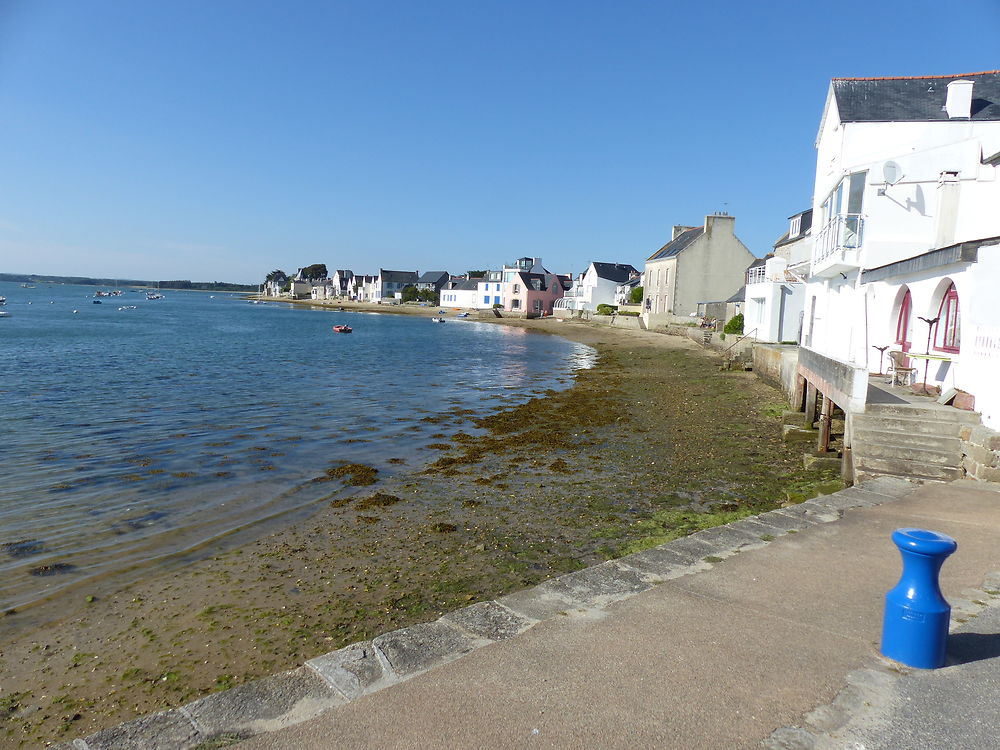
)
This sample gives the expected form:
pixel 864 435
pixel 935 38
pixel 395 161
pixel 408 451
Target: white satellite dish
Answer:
pixel 891 173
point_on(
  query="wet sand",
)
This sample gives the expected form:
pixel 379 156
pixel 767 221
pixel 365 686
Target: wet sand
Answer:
pixel 653 442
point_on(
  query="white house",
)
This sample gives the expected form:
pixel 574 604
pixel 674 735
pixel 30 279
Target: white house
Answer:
pixel 623 292
pixel 598 285
pixel 460 293
pixel 906 249
pixel 343 282
pixel 364 287
pixel 775 288
pixel 490 291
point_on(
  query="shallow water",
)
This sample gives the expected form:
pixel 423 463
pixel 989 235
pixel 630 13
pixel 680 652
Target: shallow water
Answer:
pixel 133 436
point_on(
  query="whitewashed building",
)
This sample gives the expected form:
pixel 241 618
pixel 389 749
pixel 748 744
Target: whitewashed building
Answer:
pixel 598 285
pixel 462 293
pixel 490 291
pixel 775 289
pixel 906 249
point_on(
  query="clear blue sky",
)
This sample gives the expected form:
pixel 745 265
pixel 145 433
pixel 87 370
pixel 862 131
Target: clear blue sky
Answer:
pixel 219 139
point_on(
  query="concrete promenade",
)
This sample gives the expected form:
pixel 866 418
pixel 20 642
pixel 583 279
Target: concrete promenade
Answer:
pixel 762 632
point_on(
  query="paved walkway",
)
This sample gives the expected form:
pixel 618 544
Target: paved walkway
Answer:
pixel 718 659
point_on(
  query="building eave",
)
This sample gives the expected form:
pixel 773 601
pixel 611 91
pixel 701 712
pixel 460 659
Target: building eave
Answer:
pixel 962 252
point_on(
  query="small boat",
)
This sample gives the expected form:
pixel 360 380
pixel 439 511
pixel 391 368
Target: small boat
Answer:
pixel 342 329
pixel 437 320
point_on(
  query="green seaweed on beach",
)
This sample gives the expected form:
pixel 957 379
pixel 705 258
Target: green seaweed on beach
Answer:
pixel 378 500
pixel 355 475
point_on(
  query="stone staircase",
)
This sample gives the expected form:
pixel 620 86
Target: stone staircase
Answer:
pixel 913 440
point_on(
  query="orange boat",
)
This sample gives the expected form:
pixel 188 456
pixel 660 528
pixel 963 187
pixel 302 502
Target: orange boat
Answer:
pixel 342 329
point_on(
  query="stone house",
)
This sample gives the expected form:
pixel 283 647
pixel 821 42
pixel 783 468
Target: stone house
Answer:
pixel 699 264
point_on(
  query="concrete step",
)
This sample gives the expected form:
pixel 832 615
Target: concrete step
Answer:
pixel 912 424
pixel 930 411
pixel 905 440
pixel 866 466
pixel 866 449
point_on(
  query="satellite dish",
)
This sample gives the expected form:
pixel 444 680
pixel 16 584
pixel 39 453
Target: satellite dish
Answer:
pixel 891 173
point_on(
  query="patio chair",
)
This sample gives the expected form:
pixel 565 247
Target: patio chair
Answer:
pixel 898 375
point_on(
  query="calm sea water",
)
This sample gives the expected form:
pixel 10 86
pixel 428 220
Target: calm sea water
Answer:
pixel 131 437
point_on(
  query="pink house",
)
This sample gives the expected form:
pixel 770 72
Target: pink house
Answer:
pixel 533 294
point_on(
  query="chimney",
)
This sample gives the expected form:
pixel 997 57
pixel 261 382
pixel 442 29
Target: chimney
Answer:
pixel 721 220
pixel 959 102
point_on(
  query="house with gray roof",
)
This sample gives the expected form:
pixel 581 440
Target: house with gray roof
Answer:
pixel 699 263
pixel 391 283
pixel 433 280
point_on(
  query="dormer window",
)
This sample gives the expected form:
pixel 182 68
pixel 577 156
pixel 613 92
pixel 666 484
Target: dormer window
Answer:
pixel 795 227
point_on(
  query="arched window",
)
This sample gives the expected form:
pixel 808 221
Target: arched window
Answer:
pixel 903 322
pixel 948 335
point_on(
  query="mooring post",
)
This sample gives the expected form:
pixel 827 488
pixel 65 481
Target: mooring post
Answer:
pixel 915 623
pixel 823 444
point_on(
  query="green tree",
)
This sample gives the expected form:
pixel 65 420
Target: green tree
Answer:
pixel 315 271
pixel 635 296
pixel 428 295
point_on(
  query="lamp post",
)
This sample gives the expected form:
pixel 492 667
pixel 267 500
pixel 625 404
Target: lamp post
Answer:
pixel 881 356
pixel 931 322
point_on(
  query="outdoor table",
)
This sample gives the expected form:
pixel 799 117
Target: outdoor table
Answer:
pixel 927 361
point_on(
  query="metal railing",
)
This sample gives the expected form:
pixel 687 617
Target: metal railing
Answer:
pixel 842 232
pixel 735 343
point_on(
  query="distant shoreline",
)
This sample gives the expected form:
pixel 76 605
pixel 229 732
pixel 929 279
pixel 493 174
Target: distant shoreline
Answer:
pixel 186 286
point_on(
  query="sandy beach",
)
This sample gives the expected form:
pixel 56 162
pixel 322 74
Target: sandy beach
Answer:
pixel 653 442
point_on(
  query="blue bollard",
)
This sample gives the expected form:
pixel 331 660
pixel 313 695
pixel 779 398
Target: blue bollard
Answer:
pixel 915 624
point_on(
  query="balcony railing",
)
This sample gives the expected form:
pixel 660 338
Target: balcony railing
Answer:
pixel 756 275
pixel 842 232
